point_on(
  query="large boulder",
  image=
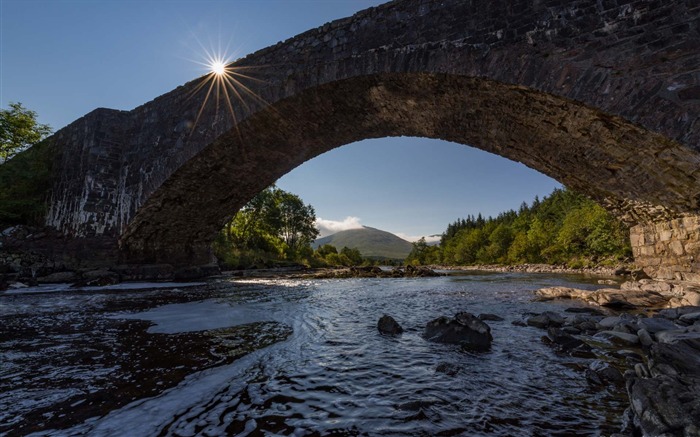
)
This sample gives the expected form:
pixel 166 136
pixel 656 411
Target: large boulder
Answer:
pixel 464 329
pixel 388 326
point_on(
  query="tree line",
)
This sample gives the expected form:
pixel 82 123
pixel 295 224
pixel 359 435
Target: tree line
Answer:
pixel 564 228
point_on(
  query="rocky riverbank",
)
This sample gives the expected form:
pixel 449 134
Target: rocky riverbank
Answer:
pixel 659 348
pixel 605 271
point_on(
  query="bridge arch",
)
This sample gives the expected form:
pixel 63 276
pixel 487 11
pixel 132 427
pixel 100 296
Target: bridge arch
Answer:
pixel 603 96
pixel 637 173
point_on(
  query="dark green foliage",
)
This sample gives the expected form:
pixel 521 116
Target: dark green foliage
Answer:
pixel 24 185
pixel 24 179
pixel 563 228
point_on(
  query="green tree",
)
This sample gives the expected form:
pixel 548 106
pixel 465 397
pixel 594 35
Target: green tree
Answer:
pixel 353 255
pixel 274 226
pixel 19 130
pixel 297 221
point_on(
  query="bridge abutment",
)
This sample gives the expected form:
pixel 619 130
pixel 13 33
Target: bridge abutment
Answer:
pixel 668 250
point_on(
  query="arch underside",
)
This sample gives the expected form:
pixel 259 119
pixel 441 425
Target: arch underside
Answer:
pixel 640 175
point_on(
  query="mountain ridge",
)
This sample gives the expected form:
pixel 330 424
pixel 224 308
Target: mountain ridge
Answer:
pixel 371 242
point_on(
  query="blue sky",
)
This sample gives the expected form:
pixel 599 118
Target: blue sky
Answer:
pixel 64 58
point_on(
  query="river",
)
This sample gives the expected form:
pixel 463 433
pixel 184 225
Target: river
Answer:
pixel 291 357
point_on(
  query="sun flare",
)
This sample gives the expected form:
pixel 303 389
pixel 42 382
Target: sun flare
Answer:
pixel 218 67
pixel 229 86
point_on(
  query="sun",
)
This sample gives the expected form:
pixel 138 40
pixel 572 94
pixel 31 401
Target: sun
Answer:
pixel 218 67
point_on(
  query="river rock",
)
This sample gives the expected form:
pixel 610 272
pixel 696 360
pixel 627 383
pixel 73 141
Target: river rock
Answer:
pixel 57 278
pixel 609 322
pixel 675 313
pixel 628 299
pixel 664 406
pixel 563 340
pixel 689 318
pixel 602 373
pixel 619 338
pixel 551 293
pixel 545 320
pixel 677 335
pixel 655 324
pixel 490 317
pixel 97 278
pixel 586 310
pixel 465 329
pixel 448 369
pixel 388 326
pixel 645 338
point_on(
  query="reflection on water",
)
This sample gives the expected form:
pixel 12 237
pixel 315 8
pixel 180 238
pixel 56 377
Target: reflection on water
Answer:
pixel 291 357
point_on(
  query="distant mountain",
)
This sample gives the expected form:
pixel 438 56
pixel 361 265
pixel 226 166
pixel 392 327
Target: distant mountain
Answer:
pixel 371 242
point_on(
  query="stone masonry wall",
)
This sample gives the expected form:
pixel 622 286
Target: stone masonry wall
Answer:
pixel 558 85
pixel 669 250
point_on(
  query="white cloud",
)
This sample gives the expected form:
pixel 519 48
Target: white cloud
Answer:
pixel 411 238
pixel 328 227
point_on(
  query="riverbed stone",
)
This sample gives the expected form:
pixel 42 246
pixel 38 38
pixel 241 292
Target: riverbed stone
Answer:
pixel 58 277
pixel 490 318
pixel 609 322
pixel 387 325
pixel 563 340
pixel 545 320
pixel 619 338
pixel 603 373
pixel 654 324
pixel 464 329
pixel 689 318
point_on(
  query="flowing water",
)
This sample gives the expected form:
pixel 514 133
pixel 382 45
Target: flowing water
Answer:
pixel 291 357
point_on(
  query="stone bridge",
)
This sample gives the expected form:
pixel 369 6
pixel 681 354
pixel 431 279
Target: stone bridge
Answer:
pixel 601 95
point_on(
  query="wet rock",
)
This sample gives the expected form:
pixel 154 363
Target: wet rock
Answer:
pixel 564 341
pixel 97 278
pixel 683 355
pixel 388 326
pixel 448 369
pixel 490 317
pixel 664 406
pixel 677 335
pixel 144 271
pixel 629 355
pixel 619 338
pixel 585 310
pixel 602 373
pixel 689 318
pixel 420 271
pixel 609 322
pixel 57 278
pixel 465 330
pixel 545 320
pixel 654 324
pixel 675 313
pixel 644 338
